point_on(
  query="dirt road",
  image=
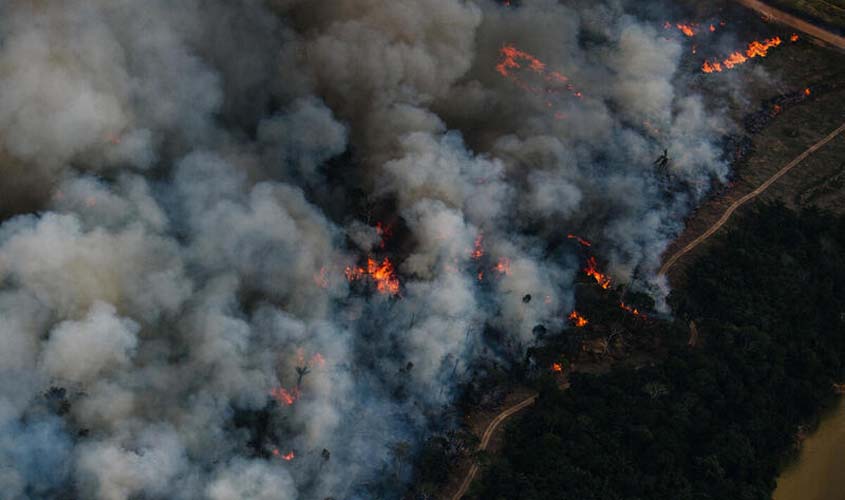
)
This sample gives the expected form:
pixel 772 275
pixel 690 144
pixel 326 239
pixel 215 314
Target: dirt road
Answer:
pixel 510 411
pixel 485 440
pixel 753 194
pixel 782 17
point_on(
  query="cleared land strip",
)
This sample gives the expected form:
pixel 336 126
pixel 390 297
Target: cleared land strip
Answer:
pixel 510 411
pixel 753 194
pixel 801 25
pixel 485 440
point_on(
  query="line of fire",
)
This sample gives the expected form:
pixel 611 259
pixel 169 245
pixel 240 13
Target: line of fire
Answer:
pixel 607 323
pixel 280 241
pixel 609 319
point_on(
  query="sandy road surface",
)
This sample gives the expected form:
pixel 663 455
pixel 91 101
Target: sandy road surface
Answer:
pixel 799 24
pixel 510 411
pixel 753 194
pixel 771 13
pixel 485 440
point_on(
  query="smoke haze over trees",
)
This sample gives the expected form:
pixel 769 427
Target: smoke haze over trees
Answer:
pixel 717 421
pixel 189 188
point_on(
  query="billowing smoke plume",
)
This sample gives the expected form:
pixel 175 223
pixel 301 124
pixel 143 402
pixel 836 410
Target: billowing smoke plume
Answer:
pixel 188 299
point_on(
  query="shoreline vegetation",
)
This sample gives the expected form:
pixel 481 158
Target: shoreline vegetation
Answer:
pixel 720 420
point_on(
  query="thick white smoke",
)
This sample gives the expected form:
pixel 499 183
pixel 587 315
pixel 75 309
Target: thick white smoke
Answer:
pixel 187 182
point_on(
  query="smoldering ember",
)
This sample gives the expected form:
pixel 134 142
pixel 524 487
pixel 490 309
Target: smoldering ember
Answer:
pixel 269 249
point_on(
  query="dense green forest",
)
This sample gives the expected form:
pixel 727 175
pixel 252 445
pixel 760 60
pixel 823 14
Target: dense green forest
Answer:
pixel 714 422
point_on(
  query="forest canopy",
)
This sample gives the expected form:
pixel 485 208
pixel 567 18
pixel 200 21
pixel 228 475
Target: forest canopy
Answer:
pixel 713 422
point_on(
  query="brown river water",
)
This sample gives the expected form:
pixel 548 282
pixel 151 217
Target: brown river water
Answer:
pixel 819 472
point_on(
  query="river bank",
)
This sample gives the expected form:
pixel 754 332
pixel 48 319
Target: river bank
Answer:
pixel 817 474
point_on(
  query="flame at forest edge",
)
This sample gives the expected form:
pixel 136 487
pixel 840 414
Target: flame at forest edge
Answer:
pixel 503 266
pixel 512 58
pixel 690 29
pixel 755 49
pixel 591 270
pixel 577 319
pixel 686 29
pixel 478 247
pixel 287 456
pixel 383 274
pixel 284 396
pixel 632 310
pixel 580 240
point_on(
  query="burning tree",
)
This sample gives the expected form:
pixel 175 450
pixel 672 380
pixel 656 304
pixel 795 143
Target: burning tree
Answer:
pixel 592 270
pixel 755 49
pixel 383 275
pixel 577 319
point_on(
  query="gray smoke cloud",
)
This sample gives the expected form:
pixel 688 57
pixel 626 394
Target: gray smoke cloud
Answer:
pixel 189 185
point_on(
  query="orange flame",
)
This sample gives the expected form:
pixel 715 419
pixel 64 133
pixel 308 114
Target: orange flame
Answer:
pixel 383 274
pixel 318 360
pixel 478 250
pixel 510 56
pixel 686 29
pixel 355 273
pixel 287 456
pixel 690 29
pixel 284 396
pixel 321 278
pixel 580 240
pixel 503 266
pixel 755 49
pixel 793 38
pixel 557 367
pixel 315 360
pixel 761 49
pixel 386 280
pixel 578 320
pixel 512 59
pixel 632 310
pixel 807 91
pixel 384 232
pixel 734 59
pixel 591 270
pixel 710 67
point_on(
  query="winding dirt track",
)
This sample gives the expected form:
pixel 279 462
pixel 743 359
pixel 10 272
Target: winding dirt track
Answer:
pixel 485 440
pixel 508 412
pixel 773 14
pixel 753 194
pixel 780 16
